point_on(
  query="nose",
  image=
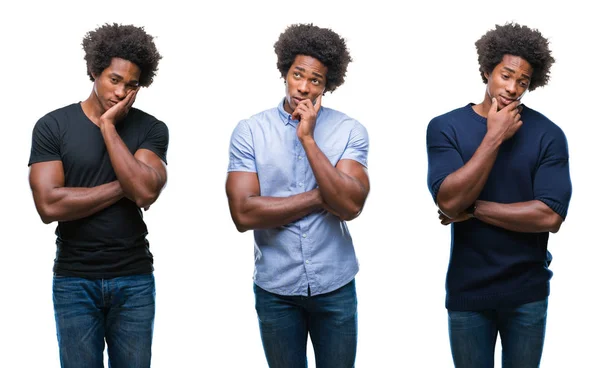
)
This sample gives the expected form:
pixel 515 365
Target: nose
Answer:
pixel 303 87
pixel 120 91
pixel 511 87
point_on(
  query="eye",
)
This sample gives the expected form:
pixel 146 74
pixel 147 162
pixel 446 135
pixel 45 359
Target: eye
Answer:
pixel 114 80
pixel 504 76
pixel 296 75
pixel 316 82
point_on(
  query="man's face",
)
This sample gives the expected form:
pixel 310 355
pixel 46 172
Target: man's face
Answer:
pixel 509 80
pixel 112 85
pixel 305 80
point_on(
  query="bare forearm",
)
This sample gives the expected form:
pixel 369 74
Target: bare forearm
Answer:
pixel 461 188
pixel 343 193
pixel 140 182
pixel 526 217
pixel 68 204
pixel 259 212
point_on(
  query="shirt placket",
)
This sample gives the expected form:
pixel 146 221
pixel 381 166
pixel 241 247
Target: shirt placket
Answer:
pixel 301 176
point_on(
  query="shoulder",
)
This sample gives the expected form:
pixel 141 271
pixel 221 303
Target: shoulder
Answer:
pixel 451 117
pixel 142 117
pixel 536 120
pixel 55 120
pixel 338 120
pixel 262 118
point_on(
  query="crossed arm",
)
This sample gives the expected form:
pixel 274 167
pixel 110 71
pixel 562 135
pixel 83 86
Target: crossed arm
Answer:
pixel 54 202
pixel 250 211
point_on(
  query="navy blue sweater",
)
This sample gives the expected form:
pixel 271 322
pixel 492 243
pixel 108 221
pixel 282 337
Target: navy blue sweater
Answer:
pixel 491 267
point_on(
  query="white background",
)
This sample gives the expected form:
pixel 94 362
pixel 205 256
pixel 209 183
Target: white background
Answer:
pixel 410 64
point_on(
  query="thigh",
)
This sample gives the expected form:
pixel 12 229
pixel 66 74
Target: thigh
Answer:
pixel 283 329
pixel 522 330
pixel 130 320
pixel 332 322
pixel 472 338
pixel 79 321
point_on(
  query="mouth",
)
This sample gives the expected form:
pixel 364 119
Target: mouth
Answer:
pixel 297 100
pixel 506 101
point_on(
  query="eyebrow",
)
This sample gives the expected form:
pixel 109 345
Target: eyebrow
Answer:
pixel 512 71
pixel 314 73
pixel 133 82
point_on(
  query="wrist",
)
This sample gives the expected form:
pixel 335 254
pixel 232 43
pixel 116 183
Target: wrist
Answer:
pixel 471 210
pixel 492 140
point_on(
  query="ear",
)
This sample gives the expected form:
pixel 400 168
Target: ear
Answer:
pixel 486 75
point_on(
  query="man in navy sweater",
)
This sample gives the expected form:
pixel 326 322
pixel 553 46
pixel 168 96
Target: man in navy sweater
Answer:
pixel 499 173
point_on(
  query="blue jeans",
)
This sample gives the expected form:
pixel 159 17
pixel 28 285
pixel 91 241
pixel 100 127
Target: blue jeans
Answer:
pixel 522 330
pixel 120 310
pixel 286 321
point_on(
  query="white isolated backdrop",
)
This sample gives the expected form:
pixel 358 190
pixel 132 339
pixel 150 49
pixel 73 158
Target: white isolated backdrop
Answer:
pixel 411 63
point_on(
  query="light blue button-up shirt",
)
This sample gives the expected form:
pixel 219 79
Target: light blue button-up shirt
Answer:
pixel 315 251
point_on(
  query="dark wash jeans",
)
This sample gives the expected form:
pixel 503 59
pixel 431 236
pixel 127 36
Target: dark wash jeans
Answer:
pixel 286 321
pixel 120 310
pixel 522 330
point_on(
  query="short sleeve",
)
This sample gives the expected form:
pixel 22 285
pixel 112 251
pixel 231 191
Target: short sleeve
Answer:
pixel 45 141
pixel 357 148
pixel 157 140
pixel 241 149
pixel 552 181
pixel 443 157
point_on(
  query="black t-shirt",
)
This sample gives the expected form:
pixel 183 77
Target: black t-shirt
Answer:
pixel 111 242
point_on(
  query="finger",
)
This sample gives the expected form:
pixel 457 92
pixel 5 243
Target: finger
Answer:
pixel 517 117
pixel 494 107
pixel 131 97
pixel 318 103
pixel 513 105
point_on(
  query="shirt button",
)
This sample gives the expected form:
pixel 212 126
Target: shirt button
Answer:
pixel 300 184
pixel 307 261
pixel 304 235
pixel 299 157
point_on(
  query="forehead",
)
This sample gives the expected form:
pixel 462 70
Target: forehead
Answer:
pixel 515 63
pixel 123 68
pixel 310 64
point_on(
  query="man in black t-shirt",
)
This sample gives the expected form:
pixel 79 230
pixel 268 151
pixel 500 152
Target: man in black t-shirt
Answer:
pixel 94 165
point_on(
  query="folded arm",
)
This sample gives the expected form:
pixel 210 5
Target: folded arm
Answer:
pixel 54 202
pixel 142 176
pixel 250 211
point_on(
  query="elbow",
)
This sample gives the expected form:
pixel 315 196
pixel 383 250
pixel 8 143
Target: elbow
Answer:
pixel 451 210
pixel 351 213
pixel 555 223
pixel 47 215
pixel 46 219
pixel 145 200
pixel 241 224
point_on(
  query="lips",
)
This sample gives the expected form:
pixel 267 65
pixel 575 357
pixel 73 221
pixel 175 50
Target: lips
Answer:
pixel 506 101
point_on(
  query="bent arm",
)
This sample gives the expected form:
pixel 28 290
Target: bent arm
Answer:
pixel 344 187
pixel 142 176
pixel 54 202
pixel 461 188
pixel 526 217
pixel 250 211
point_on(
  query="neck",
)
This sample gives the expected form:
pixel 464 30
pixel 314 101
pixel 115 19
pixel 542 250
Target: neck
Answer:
pixel 92 108
pixel 483 107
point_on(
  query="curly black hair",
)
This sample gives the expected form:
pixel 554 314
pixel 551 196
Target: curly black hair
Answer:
pixel 517 40
pixel 321 43
pixel 121 41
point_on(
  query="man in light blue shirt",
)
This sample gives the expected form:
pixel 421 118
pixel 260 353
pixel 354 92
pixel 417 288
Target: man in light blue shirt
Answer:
pixel 297 172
